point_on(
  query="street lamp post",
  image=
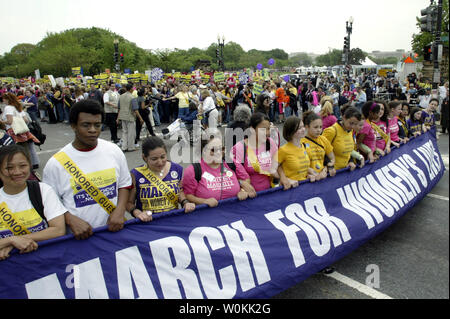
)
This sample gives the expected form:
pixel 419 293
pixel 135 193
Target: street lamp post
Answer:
pixel 346 54
pixel 221 45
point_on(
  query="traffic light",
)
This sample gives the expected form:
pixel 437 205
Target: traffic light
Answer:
pixel 346 44
pixel 121 57
pixel 217 53
pixel 427 53
pixel 429 19
pixel 116 57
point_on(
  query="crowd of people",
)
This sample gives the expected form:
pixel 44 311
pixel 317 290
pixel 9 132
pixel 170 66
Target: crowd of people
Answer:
pixel 327 125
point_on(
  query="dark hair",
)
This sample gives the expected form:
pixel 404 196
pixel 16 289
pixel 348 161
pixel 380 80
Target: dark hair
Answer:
pixel 434 99
pixel 309 117
pixel 404 103
pixel 386 112
pixel 141 92
pixel 192 106
pixel 151 143
pixel 352 111
pixel 90 106
pixel 393 104
pixel 8 152
pixel 414 110
pixel 370 106
pixel 257 118
pixel 129 86
pixel 290 127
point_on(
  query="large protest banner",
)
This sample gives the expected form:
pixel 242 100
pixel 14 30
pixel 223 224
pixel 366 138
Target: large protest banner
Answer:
pixel 250 249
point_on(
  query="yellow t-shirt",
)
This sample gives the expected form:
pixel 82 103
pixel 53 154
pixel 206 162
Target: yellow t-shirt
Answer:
pixel 183 99
pixel 342 143
pixel 316 153
pixel 294 160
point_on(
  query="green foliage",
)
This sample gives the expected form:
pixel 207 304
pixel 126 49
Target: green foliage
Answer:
pixel 331 58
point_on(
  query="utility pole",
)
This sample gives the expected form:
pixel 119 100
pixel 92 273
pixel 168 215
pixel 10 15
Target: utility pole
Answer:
pixel 346 53
pixel 220 52
pixel 437 47
pixel 116 55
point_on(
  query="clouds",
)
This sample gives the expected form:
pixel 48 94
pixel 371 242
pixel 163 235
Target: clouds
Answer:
pixel 294 26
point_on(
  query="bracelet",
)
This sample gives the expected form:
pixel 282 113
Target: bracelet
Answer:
pixel 184 201
pixel 330 166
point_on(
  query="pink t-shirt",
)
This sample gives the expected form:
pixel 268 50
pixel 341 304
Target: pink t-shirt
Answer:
pixel 315 97
pixel 394 128
pixel 259 181
pixel 369 139
pixel 328 121
pixel 213 183
pixel 381 144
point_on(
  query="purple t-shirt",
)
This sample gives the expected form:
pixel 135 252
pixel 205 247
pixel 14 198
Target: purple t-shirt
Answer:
pixel 213 183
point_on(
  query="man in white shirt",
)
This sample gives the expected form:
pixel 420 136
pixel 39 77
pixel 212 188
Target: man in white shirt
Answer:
pixel 425 99
pixel 111 101
pixel 90 175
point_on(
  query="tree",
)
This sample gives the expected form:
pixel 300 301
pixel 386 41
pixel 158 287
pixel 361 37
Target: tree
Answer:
pixel 331 58
pixel 356 56
pixel 302 59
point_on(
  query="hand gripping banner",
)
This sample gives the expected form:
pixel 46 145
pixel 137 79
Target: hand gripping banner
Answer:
pixel 250 249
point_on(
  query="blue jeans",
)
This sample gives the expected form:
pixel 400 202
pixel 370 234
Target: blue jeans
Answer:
pixel 156 115
pixel 60 112
pixel 183 111
pixel 287 112
pixel 337 112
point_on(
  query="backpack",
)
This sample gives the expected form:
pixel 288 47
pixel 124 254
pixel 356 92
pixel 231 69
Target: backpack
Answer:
pixel 34 193
pixel 198 170
pixel 342 100
pixel 36 130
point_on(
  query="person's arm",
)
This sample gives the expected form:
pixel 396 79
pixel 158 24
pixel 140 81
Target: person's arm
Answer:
pixel 56 228
pixel 211 202
pixel 23 244
pixel 185 203
pixel 131 204
pixel 80 228
pixel 116 218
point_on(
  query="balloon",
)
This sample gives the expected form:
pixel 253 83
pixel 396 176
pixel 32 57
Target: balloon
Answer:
pixel 259 66
pixel 286 78
pixel 271 62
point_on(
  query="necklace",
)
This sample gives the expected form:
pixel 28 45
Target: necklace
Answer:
pixel 160 174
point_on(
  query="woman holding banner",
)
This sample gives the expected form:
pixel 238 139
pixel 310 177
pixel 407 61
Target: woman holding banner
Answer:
pixel 156 184
pixel 212 179
pixel 255 155
pixel 340 136
pixel 317 146
pixel 292 159
pixel 22 221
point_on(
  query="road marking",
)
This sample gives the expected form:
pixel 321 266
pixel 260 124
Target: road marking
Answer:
pixel 358 286
pixel 445 160
pixel 438 196
pixel 48 151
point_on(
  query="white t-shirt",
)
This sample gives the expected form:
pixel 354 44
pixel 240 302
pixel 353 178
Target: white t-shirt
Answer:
pixel 11 110
pixel 208 104
pixel 105 165
pixel 23 210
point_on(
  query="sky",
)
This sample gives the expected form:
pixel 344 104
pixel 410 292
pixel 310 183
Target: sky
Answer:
pixel 315 26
